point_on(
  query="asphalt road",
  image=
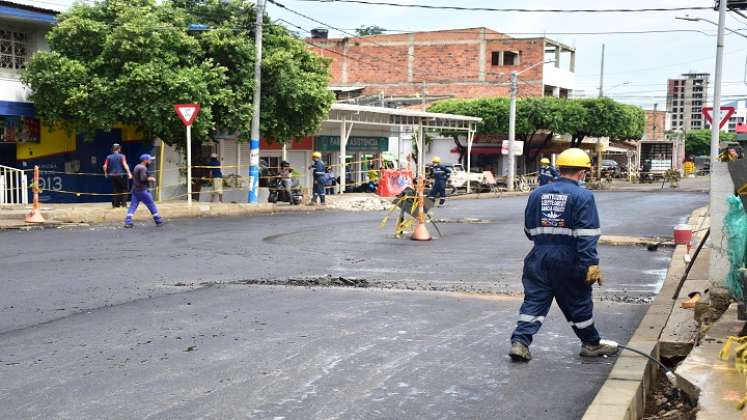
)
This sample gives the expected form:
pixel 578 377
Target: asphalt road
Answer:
pixel 89 318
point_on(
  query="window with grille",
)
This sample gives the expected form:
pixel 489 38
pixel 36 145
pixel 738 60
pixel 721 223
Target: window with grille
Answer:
pixel 13 49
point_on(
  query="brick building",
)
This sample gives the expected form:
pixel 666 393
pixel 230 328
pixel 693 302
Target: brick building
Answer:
pixel 399 69
pixel 655 124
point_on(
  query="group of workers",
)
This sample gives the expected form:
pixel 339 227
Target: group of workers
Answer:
pixel 560 218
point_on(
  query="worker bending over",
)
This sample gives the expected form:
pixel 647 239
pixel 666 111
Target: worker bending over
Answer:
pixel 441 176
pixel 547 172
pixel 561 219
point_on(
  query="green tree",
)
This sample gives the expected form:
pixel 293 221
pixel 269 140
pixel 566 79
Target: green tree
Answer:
pixel 369 30
pixel 607 118
pixel 130 61
pixel 698 142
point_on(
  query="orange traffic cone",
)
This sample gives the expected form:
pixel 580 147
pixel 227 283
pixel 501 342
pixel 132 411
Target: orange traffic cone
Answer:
pixel 421 231
pixel 35 216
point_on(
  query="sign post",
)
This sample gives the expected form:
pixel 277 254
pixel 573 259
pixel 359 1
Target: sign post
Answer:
pixel 708 114
pixel 188 113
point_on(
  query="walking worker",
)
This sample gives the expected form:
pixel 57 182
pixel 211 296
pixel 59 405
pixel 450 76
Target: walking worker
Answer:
pixel 441 176
pixel 118 171
pixel 561 219
pixel 547 172
pixel 319 171
pixel 140 193
pixel 216 174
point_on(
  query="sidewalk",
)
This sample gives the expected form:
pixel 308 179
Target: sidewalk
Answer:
pixel 94 213
pixel 697 184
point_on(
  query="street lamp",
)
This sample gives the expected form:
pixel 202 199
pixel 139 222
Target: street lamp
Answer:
pixel 512 122
pixel 618 85
pixel 700 19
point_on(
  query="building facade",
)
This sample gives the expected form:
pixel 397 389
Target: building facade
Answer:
pixel 686 97
pixel 655 124
pixel 420 67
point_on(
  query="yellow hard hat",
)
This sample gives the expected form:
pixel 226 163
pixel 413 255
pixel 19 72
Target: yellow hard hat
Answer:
pixel 436 159
pixel 316 155
pixel 574 158
pixel 545 161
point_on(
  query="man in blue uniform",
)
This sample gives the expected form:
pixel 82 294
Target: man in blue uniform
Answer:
pixel 547 173
pixel 561 219
pixel 140 193
pixel 441 176
pixel 117 170
pixel 216 175
pixel 319 172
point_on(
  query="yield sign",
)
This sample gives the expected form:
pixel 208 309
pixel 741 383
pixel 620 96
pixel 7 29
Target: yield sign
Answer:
pixel 187 112
pixel 708 110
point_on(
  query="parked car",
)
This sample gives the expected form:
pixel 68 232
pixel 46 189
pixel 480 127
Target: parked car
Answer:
pixel 611 167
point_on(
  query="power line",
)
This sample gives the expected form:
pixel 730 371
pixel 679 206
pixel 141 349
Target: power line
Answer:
pixel 513 10
pixel 590 33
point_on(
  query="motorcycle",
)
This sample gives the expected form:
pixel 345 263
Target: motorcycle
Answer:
pixel 278 193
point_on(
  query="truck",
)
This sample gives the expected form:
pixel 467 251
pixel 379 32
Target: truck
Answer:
pixel 478 181
pixel 656 157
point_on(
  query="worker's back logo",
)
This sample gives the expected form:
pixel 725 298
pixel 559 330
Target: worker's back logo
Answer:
pixel 553 208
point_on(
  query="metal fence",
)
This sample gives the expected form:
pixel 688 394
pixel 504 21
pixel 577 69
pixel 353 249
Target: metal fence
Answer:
pixel 13 186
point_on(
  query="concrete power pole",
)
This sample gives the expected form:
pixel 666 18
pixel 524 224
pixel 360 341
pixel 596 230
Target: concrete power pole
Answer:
pixel 512 130
pixel 653 131
pixel 254 172
pixel 601 76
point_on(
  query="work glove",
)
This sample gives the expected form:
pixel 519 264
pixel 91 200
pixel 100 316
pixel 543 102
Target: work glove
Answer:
pixel 593 275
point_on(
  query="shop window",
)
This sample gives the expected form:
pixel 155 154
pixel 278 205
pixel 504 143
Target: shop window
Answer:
pixel 13 49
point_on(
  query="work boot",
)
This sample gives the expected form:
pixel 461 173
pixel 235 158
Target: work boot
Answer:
pixel 604 348
pixel 519 352
pixel 128 226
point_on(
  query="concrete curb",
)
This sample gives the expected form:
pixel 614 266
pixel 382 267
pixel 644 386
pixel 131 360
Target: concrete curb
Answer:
pixel 623 395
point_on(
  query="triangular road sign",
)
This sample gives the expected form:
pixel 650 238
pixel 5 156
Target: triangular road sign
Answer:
pixel 187 112
pixel 708 114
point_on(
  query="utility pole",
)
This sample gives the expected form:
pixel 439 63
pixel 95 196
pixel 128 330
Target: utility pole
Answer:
pixel 601 76
pixel 653 131
pixel 715 128
pixel 424 96
pixel 512 130
pixel 254 172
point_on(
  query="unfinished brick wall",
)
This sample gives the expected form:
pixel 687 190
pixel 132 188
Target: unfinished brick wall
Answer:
pixel 455 63
pixel 660 119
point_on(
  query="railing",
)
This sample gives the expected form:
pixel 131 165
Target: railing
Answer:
pixel 13 186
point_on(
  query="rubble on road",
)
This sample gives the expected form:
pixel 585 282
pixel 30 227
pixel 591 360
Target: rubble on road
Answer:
pixel 359 202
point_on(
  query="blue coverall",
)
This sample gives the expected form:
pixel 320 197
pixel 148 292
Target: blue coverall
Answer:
pixel 140 193
pixel 441 176
pixel 319 170
pixel 548 174
pixel 562 220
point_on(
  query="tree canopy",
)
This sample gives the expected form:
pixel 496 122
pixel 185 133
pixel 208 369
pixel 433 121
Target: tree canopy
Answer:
pixel 551 116
pixel 369 30
pixel 698 142
pixel 130 61
pixel 598 117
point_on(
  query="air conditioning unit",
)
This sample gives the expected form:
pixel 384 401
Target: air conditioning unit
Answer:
pixel 732 4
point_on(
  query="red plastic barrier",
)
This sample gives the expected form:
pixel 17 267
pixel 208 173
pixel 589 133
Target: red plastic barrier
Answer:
pixel 393 182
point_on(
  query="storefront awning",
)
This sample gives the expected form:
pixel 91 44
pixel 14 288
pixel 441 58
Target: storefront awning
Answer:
pixel 19 109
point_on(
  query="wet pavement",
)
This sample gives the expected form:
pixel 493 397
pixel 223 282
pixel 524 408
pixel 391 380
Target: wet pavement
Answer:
pixel 89 318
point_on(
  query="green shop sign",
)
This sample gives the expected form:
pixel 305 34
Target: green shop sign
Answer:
pixel 355 144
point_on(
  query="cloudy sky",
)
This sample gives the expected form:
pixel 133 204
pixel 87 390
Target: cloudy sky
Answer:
pixel 643 60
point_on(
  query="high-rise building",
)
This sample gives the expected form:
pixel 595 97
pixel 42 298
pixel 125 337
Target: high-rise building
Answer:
pixel 686 97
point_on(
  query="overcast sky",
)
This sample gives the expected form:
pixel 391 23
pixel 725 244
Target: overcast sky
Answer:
pixel 644 60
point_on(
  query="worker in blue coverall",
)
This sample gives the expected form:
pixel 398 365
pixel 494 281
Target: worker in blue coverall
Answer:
pixel 441 176
pixel 561 219
pixel 319 172
pixel 140 193
pixel 547 173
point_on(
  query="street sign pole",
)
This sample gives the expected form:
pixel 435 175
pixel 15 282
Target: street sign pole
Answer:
pixel 189 165
pixel 254 172
pixel 188 113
